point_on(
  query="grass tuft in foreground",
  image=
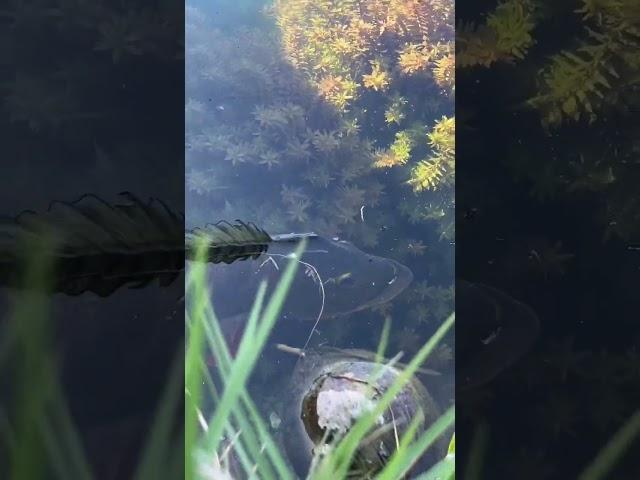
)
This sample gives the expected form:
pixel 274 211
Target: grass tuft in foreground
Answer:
pixel 236 437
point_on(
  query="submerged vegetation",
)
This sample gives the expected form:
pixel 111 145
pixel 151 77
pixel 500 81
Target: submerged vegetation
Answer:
pixel 343 46
pixel 439 169
pixel 588 83
pixel 555 88
pixel 334 93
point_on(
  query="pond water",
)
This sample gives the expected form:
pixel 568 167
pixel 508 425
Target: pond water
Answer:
pixel 317 117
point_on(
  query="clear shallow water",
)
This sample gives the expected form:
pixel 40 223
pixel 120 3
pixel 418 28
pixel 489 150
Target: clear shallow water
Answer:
pixel 263 145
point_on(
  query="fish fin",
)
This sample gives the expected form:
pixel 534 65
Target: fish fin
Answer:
pixel 228 242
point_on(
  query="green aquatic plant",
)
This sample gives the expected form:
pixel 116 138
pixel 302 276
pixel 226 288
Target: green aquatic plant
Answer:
pixel 337 90
pixel 574 84
pixel 506 36
pixel 401 148
pixel 413 58
pixel 350 127
pixel 396 111
pixel 311 108
pixel 363 233
pixel 324 142
pixel 318 176
pixel 269 159
pixel 378 79
pixel 297 149
pixel 416 248
pixel 270 117
pixel 428 174
pixel 578 82
pixel 384 158
pixel 399 151
pixel 444 71
pixel 350 196
pixel 238 154
pixel 587 83
pixel 298 210
pixel 439 169
pixel 344 47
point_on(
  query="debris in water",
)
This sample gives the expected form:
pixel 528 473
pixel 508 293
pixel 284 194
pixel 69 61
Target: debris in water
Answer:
pixel 274 420
pixel 287 349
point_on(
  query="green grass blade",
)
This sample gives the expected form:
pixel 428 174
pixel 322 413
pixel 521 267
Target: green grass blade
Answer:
pixel 248 352
pixel 445 469
pixel 259 433
pixel 405 441
pixel 58 463
pixel 384 340
pixel 66 435
pixel 193 372
pixel 34 379
pixel 405 458
pixel 477 452
pixel 245 455
pixel 338 463
pixel 241 368
pixel 613 450
pixel 159 448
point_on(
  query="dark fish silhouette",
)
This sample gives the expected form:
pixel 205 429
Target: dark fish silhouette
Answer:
pixel 333 275
pixel 493 330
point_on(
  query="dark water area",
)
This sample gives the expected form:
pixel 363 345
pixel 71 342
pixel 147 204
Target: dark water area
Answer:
pixel 270 141
pixel 555 226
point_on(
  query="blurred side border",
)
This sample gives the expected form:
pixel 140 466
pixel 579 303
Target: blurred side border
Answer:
pixel 92 99
pixel 547 210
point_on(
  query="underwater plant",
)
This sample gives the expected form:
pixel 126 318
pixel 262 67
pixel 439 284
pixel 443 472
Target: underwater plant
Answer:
pixel 395 112
pixel 250 113
pixel 439 168
pixel 413 58
pixel 506 36
pixel 378 79
pixel 579 82
pixel 444 71
pixel 583 85
pixel 343 47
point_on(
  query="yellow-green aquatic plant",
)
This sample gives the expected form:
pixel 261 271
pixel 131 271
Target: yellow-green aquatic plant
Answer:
pixel 396 111
pixel 439 168
pixel 575 83
pixel 339 44
pixel 505 36
pixel 378 79
pixel 444 71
